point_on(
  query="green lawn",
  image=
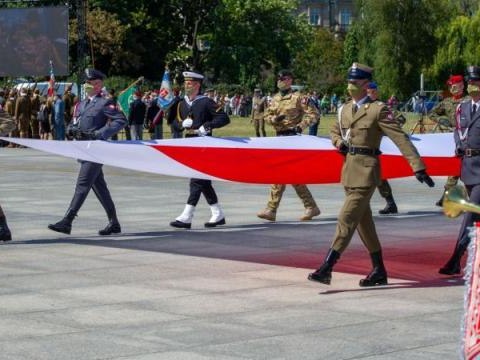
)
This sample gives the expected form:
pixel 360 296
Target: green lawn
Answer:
pixel 241 127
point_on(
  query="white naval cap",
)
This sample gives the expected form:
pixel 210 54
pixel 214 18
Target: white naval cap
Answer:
pixel 190 75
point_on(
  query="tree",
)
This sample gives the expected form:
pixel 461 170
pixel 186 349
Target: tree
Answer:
pixel 252 39
pixel 319 65
pixel 397 39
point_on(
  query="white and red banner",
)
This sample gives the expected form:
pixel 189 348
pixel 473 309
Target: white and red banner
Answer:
pixel 298 159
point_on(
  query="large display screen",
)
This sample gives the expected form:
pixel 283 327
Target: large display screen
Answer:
pixel 32 37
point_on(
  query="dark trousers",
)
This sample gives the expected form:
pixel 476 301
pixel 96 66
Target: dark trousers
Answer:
pixel 469 218
pixel 91 177
pixel 201 186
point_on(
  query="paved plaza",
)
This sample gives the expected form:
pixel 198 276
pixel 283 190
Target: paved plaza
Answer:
pixel 235 292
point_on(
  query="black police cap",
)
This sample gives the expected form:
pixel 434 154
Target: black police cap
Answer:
pixel 285 72
pixel 473 72
pixel 359 72
pixel 92 74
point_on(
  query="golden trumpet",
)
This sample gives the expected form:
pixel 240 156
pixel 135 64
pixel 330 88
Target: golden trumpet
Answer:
pixel 456 202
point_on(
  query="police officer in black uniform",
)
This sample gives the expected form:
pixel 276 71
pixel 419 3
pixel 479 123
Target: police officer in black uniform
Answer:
pixel 467 147
pixel 97 118
pixel 197 115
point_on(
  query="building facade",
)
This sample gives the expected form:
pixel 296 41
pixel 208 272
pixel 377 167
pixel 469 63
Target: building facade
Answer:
pixel 334 14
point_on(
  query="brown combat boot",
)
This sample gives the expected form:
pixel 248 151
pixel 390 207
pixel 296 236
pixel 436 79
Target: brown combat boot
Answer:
pixel 267 214
pixel 310 213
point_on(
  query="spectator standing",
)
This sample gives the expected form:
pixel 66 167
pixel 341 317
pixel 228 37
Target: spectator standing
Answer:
pixel 258 109
pixel 34 126
pixel 59 118
pixel 136 116
pixel 313 128
pixel 23 113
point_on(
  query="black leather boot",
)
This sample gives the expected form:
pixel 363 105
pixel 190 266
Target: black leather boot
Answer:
pixel 64 225
pixel 378 276
pixel 453 266
pixel 390 208
pixel 324 273
pixel 440 202
pixel 5 234
pixel 113 226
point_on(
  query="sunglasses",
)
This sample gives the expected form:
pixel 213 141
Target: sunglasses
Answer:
pixel 282 78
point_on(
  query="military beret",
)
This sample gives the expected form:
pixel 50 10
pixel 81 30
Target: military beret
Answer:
pixel 454 79
pixel 372 85
pixel 92 74
pixel 359 71
pixel 285 72
pixel 473 72
pixel 190 75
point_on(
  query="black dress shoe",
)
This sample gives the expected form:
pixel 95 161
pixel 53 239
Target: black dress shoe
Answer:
pixel 5 235
pixel 180 225
pixel 62 227
pixel 215 223
pixel 111 229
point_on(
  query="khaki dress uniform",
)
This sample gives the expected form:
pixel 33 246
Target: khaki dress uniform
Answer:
pixel 23 113
pixel 258 108
pixel 33 120
pixel 363 130
pixel 297 113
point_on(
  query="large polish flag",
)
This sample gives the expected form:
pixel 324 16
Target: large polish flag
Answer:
pixel 300 159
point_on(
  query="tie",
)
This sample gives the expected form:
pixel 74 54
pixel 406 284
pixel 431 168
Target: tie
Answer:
pixel 474 110
pixel 354 108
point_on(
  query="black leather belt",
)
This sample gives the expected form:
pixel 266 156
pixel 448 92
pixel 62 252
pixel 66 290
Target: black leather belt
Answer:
pixel 353 150
pixel 286 133
pixel 472 152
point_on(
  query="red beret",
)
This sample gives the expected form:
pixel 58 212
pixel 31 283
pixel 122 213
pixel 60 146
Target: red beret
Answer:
pixel 454 79
pixel 138 93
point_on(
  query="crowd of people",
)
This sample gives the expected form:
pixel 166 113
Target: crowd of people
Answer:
pixel 363 121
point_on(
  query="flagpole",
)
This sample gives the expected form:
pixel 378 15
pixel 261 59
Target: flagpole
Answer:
pixel 132 84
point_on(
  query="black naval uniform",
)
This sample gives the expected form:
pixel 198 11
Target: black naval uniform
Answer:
pixel 204 112
pixel 98 119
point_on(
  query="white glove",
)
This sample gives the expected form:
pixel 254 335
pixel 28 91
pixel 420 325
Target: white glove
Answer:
pixel 187 123
pixel 201 131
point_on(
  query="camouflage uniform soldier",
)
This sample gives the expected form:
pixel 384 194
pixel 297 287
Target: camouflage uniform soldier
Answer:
pixel 259 103
pixel 445 112
pixel 289 113
pixel 23 113
pixel 357 134
pixel 35 108
pixel 7 125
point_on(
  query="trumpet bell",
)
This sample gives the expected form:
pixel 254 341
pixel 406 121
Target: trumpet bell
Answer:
pixel 456 202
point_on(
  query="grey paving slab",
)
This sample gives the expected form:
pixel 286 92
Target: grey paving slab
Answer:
pixel 236 292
